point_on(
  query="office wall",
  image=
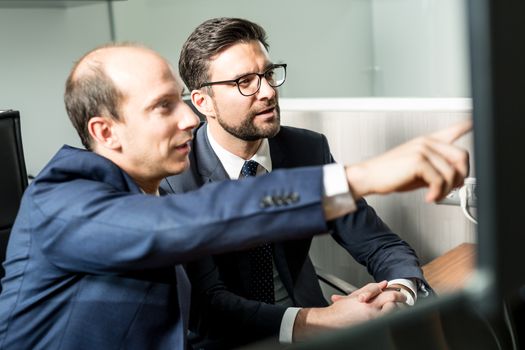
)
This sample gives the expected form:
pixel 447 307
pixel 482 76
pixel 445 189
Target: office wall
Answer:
pixel 335 48
pixel 38 47
pixel 327 45
pixel 420 48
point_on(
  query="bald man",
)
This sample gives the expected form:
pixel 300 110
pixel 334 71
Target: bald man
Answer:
pixel 94 256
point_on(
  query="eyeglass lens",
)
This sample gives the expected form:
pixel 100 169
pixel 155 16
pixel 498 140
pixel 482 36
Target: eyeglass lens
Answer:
pixel 250 84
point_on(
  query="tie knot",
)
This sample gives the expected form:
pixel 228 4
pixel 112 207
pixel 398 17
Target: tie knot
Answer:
pixel 249 168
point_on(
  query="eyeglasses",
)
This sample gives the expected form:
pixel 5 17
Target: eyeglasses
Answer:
pixel 249 84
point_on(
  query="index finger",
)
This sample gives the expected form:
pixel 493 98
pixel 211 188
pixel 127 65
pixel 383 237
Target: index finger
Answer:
pixel 452 133
pixel 370 291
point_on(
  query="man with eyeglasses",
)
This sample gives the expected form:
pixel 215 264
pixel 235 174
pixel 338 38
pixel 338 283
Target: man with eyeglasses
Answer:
pixel 272 289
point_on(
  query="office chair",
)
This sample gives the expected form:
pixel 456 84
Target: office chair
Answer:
pixel 13 177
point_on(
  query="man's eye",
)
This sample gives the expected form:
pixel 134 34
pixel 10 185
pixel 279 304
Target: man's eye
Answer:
pixel 247 80
pixel 269 75
pixel 244 81
pixel 164 105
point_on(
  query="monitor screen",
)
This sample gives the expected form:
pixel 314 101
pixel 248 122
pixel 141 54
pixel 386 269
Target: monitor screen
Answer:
pixel 497 37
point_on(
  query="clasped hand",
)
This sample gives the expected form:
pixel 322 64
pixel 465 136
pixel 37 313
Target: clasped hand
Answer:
pixel 364 304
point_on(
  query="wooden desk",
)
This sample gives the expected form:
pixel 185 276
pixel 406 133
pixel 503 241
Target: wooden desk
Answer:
pixel 450 271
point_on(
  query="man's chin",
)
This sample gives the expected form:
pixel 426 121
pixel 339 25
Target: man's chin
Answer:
pixel 260 134
pixel 267 125
pixel 179 167
pixel 253 129
pixel 270 131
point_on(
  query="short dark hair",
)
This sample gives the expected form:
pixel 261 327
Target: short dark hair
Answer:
pixel 210 38
pixel 89 94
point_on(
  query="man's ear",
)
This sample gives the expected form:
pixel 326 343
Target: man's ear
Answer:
pixel 102 130
pixel 203 103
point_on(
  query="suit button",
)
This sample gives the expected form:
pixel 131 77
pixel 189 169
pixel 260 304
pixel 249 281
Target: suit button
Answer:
pixel 278 200
pixel 294 197
pixel 266 202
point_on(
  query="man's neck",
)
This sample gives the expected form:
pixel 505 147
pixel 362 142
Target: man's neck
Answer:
pixel 148 185
pixel 241 148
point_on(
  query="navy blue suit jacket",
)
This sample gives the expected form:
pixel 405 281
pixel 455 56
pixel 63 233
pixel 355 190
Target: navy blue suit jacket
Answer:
pixel 222 316
pixel 92 261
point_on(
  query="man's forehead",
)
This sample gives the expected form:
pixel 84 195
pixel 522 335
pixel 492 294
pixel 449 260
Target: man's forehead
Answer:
pixel 137 72
pixel 240 56
pixel 114 59
pixel 130 59
pixel 138 68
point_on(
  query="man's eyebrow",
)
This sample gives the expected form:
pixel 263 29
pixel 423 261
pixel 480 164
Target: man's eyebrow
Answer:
pixel 156 100
pixel 266 67
pixel 240 75
pixel 269 65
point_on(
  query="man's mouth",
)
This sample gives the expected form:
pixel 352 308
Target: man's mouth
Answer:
pixel 267 111
pixel 185 146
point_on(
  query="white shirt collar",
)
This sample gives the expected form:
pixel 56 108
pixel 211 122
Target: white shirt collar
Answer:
pixel 233 164
pixel 154 194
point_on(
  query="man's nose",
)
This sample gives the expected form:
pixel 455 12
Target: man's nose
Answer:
pixel 189 120
pixel 266 91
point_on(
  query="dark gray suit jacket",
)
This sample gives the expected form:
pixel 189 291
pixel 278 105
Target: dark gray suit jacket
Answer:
pixel 221 315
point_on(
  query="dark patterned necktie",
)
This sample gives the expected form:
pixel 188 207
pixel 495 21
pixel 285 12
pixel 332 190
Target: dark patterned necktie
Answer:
pixel 261 258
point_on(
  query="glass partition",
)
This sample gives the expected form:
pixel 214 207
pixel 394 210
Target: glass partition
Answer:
pixel 334 48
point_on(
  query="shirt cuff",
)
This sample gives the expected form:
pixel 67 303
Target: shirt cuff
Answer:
pixel 411 298
pixel 337 200
pixel 287 323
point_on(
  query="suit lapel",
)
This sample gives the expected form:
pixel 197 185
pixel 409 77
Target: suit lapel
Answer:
pixel 209 167
pixel 277 154
pixel 279 161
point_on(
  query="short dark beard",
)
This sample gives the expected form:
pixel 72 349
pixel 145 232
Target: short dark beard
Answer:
pixel 247 131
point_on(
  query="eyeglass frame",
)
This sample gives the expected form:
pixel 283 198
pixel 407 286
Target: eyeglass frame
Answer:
pixel 260 75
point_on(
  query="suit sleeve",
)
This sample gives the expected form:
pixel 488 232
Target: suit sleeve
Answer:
pixel 371 242
pixel 89 226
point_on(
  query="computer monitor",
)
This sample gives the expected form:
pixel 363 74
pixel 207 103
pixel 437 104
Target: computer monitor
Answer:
pixel 497 38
